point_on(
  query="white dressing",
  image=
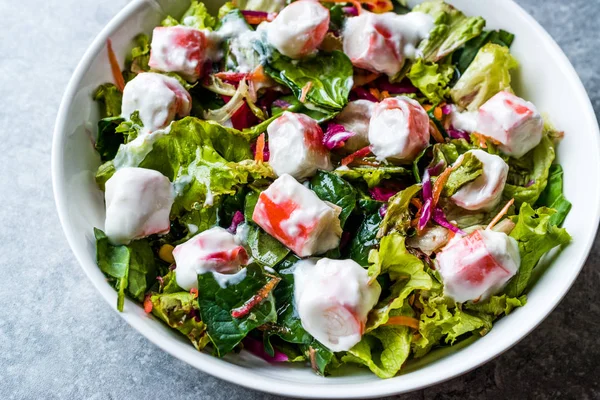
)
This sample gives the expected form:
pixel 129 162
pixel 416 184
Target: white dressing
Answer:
pixel 296 146
pixel 295 216
pixel 333 298
pixel 479 265
pixel 355 117
pixel 485 192
pixel 138 204
pixel 214 250
pixel 464 121
pixel 178 49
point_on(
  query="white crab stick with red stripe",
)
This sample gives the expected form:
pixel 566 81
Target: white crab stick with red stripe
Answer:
pixel 333 298
pixel 382 42
pixel 398 129
pixel 214 250
pixel 479 265
pixel 296 146
pixel 513 122
pixel 355 117
pixel 299 28
pixel 157 98
pixel 294 215
pixel 485 192
pixel 138 204
pixel 179 49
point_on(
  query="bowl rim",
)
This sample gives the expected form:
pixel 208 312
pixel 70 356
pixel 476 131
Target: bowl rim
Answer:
pixel 244 376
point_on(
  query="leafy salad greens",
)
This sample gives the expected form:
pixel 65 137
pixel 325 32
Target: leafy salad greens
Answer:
pixel 277 167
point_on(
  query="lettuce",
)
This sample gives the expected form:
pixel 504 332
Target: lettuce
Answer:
pixel 528 175
pixel 398 217
pixel 132 269
pixel 497 305
pixel 535 236
pixel 431 79
pixel 488 74
pixel 330 76
pixel 553 196
pixel 463 57
pixel 109 139
pixel 469 169
pixel 372 176
pixel 110 99
pixel 261 5
pixel 138 59
pixel 197 16
pixel 451 29
pixel 178 311
pixel 216 301
pixel 366 236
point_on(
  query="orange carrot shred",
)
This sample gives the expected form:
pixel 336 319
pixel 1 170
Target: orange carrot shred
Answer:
pixel 357 154
pixel 437 113
pixel 360 80
pixel 434 131
pixel 305 91
pixel 427 107
pixel 404 321
pixel 114 66
pixel 259 156
pixel 439 185
pixel 148 304
pixel 385 94
pixel 375 92
pixel 501 214
pixel 194 293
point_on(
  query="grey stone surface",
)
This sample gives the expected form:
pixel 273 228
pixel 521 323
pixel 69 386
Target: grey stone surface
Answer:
pixel 59 339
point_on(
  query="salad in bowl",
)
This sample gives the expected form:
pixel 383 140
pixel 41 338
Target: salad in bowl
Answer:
pixel 325 183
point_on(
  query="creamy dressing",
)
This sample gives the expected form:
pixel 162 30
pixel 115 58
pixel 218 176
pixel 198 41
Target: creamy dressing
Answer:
pixel 513 122
pixel 138 204
pixel 214 250
pixel 295 146
pixel 178 49
pixel 133 153
pixel 333 298
pixel 477 266
pixel 464 121
pixel 299 28
pixel 382 42
pixel 355 118
pixel 485 192
pixel 295 216
pixel 399 129
pixel 157 98
pixel 241 48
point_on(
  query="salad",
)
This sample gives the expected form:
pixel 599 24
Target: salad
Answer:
pixel 325 183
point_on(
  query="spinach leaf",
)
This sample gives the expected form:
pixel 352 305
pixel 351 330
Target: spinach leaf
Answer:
pixel 332 188
pixel 216 303
pixel 553 196
pixel 265 249
pixel 365 238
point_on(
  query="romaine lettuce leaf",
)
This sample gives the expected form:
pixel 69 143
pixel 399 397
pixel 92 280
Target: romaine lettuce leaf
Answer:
pixel 261 5
pixel 372 175
pixel 488 74
pixel 216 303
pixel 330 76
pixel 197 16
pixel 431 79
pixel 535 236
pixel 451 29
pixel 463 57
pixel 469 169
pixel 553 196
pixel 110 99
pixel 178 310
pixel 397 217
pixel 497 305
pixel 330 187
pixel 132 268
pixel 138 59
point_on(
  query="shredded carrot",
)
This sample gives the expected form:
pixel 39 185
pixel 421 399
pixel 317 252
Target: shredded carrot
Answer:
pixel 435 132
pixel 194 292
pixel 416 202
pixel 148 304
pixel 501 214
pixel 439 185
pixel 427 107
pixel 259 156
pixel 451 235
pixel 404 321
pixel 379 6
pixel 258 75
pixel 255 300
pixel 114 66
pixel 375 92
pixel 385 94
pixel 366 162
pixel 305 91
pixel 437 113
pixel 360 80
pixel 357 154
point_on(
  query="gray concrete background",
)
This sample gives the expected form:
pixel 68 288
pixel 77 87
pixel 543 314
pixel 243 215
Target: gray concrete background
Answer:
pixel 59 339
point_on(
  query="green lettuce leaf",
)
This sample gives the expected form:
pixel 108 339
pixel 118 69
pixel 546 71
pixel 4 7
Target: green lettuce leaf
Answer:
pixel 138 59
pixel 329 74
pixel 464 56
pixel 398 217
pixel 469 169
pixel 372 176
pixel 488 74
pixel 497 305
pixel 132 269
pixel 535 236
pixel 261 5
pixel 109 139
pixel 451 29
pixel 431 79
pixel 110 99
pixel 177 310
pixel 197 16
pixel 216 303
pixel 528 175
pixel 553 196
pixel 330 187
pixel 265 249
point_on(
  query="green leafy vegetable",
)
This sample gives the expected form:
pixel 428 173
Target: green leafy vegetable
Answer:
pixel 497 305
pixel 488 74
pixel 469 169
pixel 109 98
pixel 261 5
pixel 451 29
pixel 177 310
pixel 265 249
pixel 109 139
pixel 332 188
pixel 328 74
pixel 216 304
pixel 463 57
pixel 372 175
pixel 197 16
pixel 553 196
pixel 131 268
pixel 536 236
pixel 138 59
pixel 431 79
pixel 365 238
pixel 398 217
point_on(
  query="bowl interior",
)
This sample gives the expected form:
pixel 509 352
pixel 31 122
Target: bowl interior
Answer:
pixel 545 77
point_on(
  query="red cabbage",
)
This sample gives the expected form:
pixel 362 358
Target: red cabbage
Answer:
pixel 237 219
pixel 531 182
pixel 383 210
pixel 446 109
pixel 360 93
pixel 402 87
pixel 440 219
pixel 427 190
pixel 382 193
pixel 350 11
pixel 257 348
pixel 458 134
pixel 281 104
pixel 252 13
pixel 335 136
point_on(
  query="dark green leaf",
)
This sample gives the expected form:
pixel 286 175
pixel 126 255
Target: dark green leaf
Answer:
pixel 332 188
pixel 553 196
pixel 109 139
pixel 265 249
pixel 463 57
pixel 109 98
pixel 398 217
pixel 365 238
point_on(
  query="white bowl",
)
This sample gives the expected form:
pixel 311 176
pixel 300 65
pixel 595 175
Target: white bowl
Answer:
pixel 545 77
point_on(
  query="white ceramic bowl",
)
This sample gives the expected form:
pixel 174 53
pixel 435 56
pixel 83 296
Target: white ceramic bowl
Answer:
pixel 545 77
